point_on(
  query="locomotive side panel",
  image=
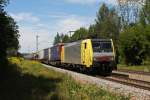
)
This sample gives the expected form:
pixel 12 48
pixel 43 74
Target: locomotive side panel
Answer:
pixel 72 53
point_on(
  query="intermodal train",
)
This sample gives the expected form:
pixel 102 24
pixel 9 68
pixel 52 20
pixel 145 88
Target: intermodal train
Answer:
pixel 88 55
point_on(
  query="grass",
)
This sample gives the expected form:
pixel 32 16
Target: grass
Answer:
pixel 31 81
pixel 145 68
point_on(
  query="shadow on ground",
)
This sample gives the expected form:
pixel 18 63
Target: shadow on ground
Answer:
pixel 18 86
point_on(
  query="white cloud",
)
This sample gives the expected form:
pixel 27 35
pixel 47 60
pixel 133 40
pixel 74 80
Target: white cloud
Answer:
pixel 73 23
pixel 69 24
pixel 30 26
pixel 28 39
pixel 46 36
pixel 19 17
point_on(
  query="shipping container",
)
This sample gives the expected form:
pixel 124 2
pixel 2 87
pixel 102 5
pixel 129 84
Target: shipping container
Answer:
pixel 40 55
pixel 55 52
pixel 46 54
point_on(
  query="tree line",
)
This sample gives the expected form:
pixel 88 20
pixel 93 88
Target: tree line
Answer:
pixel 9 35
pixel 132 41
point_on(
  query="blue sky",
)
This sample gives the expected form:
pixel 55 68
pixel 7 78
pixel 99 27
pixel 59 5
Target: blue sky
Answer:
pixel 47 17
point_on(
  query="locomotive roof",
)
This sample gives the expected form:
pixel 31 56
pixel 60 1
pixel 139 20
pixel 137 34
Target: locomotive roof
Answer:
pixel 101 39
pixel 79 41
pixel 73 43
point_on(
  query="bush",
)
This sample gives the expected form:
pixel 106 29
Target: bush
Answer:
pixel 135 44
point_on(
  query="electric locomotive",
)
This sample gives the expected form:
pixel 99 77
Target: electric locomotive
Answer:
pixel 93 55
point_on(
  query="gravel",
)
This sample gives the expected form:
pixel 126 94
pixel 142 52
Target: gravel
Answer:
pixel 133 92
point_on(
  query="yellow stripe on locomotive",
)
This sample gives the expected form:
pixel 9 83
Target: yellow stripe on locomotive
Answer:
pixel 86 53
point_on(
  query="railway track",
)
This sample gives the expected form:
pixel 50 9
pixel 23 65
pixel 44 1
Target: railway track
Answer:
pixel 138 90
pixel 124 79
pixel 141 76
pixel 135 72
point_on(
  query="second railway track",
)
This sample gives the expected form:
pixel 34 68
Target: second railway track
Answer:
pixel 115 85
pixel 124 78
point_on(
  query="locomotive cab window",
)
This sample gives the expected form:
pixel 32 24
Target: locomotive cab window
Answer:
pixel 102 46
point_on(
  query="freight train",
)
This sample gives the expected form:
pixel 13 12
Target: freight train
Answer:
pixel 88 55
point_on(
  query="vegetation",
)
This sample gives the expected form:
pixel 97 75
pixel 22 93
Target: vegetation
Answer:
pixel 79 34
pixel 107 23
pixel 31 81
pixel 57 39
pixel 8 37
pixel 145 15
pixel 144 68
pixel 65 38
pixel 135 40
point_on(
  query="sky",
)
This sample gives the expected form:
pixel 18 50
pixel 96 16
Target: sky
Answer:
pixel 47 17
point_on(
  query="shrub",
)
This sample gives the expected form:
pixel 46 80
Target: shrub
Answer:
pixel 135 44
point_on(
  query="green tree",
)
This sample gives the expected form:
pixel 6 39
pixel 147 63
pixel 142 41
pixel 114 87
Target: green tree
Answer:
pixel 135 44
pixel 145 13
pixel 8 36
pixel 135 39
pixel 65 38
pixel 57 39
pixel 147 35
pixel 81 33
pixel 107 23
pixel 92 33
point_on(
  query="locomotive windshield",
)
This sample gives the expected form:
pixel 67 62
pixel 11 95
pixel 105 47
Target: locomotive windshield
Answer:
pixel 102 46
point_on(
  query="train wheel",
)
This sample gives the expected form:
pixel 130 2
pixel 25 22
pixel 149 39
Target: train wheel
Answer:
pixel 83 69
pixel 91 71
pixel 107 70
pixel 80 68
pixel 70 67
pixel 87 71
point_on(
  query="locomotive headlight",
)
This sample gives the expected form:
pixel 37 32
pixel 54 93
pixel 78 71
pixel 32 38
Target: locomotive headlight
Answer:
pixel 94 59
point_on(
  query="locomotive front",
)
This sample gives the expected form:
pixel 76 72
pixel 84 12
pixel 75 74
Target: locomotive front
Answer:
pixel 103 55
